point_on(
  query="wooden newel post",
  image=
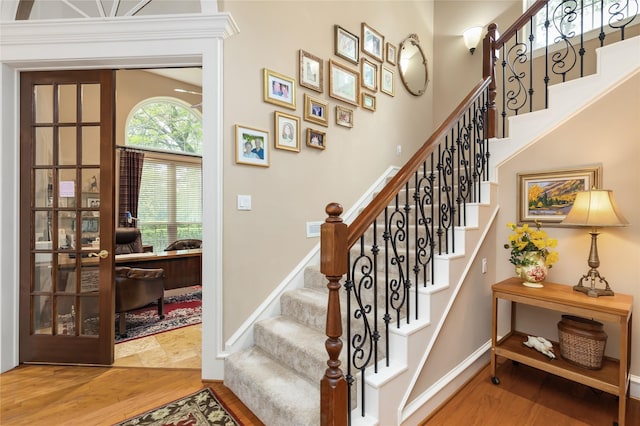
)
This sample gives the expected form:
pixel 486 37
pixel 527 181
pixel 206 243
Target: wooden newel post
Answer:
pixel 333 264
pixel 489 57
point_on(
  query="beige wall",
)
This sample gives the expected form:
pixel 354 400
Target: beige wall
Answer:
pixel 456 71
pixel 263 245
pixel 604 133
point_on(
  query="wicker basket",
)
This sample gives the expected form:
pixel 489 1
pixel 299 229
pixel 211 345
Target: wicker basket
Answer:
pixel 582 341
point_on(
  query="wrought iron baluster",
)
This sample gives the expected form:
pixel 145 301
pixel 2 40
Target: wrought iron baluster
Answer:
pixel 516 95
pixel 617 17
pixel 375 250
pixel 397 227
pixel 386 236
pixel 407 283
pixel 564 59
pixel 531 39
pixel 361 340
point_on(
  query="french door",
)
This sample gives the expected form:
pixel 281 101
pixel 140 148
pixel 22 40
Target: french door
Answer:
pixel 67 220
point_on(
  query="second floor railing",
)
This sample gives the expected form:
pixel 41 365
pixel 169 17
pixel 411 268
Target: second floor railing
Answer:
pixel 552 42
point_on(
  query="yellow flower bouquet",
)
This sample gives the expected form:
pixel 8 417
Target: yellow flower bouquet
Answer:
pixel 526 240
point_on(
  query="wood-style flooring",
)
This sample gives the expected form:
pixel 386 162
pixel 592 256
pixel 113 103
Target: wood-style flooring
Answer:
pixel 37 395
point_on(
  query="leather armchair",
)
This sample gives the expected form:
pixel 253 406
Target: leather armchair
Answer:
pixel 136 288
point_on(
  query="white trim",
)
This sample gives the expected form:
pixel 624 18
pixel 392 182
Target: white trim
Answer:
pixel 170 40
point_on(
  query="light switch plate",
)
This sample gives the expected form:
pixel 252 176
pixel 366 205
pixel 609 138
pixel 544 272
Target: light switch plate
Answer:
pixel 244 202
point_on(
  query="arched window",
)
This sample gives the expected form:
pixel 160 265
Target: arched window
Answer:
pixel 170 202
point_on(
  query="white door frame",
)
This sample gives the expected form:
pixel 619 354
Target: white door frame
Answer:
pixel 134 42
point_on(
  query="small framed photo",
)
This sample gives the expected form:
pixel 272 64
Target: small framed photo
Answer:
pixel 372 42
pixel 287 131
pixel 344 116
pixel 93 202
pixel 387 81
pixel 548 196
pixel 347 45
pixel 311 71
pixel 316 139
pixel 279 89
pixel 344 83
pixel 368 101
pixel 391 54
pixel 315 110
pixel 369 74
pixel 252 146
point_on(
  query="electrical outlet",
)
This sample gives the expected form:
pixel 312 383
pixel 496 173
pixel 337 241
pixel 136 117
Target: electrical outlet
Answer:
pixel 484 265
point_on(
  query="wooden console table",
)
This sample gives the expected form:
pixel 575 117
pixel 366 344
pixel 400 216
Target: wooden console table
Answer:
pixel 182 268
pixel 612 378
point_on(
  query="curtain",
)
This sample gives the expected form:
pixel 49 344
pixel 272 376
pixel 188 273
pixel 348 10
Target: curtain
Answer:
pixel 130 176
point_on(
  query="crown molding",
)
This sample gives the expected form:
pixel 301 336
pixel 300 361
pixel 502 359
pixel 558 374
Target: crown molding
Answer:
pixel 186 33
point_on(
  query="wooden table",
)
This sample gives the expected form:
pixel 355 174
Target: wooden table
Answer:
pixel 612 378
pixel 182 268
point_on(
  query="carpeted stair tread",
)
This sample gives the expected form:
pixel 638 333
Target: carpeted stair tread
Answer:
pixel 307 306
pixel 273 392
pixel 293 344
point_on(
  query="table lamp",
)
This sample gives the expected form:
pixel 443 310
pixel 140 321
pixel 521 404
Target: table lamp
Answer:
pixel 595 208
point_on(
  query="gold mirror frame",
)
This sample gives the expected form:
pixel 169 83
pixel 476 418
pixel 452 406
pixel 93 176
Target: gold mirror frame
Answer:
pixel 412 65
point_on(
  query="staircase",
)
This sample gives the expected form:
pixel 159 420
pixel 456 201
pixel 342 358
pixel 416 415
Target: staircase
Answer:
pixel 278 378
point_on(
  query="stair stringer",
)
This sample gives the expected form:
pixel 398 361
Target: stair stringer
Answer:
pixel 386 392
pixel 615 64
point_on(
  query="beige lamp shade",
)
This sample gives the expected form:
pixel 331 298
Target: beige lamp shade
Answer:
pixel 595 208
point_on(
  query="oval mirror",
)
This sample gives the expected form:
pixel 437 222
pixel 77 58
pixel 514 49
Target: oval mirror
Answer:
pixel 413 66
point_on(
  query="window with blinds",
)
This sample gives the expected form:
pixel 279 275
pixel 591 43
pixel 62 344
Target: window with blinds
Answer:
pixel 170 202
pixel 169 131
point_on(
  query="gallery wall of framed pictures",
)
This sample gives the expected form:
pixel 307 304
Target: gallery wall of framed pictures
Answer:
pixel 364 64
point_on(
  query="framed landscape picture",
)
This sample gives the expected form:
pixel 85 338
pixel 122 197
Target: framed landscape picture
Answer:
pixel 372 42
pixel 252 146
pixel 347 45
pixel 311 71
pixel 548 196
pixel 279 89
pixel 344 83
pixel 287 131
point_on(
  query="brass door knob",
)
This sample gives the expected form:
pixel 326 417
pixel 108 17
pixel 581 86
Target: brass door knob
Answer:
pixel 102 254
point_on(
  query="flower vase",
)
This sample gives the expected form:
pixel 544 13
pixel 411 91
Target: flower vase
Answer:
pixel 534 271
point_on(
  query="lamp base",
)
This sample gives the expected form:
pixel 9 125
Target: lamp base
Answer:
pixel 592 291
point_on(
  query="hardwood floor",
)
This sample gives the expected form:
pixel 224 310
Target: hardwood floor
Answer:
pixel 530 397
pixel 85 396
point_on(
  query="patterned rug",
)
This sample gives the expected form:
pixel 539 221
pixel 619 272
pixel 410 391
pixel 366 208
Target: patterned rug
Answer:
pixel 202 408
pixel 179 311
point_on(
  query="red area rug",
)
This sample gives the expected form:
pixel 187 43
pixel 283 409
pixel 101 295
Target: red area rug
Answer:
pixel 179 311
pixel 202 408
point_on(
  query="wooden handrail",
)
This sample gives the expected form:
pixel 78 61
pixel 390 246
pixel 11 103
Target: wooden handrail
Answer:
pixel 380 201
pixel 519 23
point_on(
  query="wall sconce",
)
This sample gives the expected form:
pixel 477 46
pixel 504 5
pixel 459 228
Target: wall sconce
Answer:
pixel 595 208
pixel 472 38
